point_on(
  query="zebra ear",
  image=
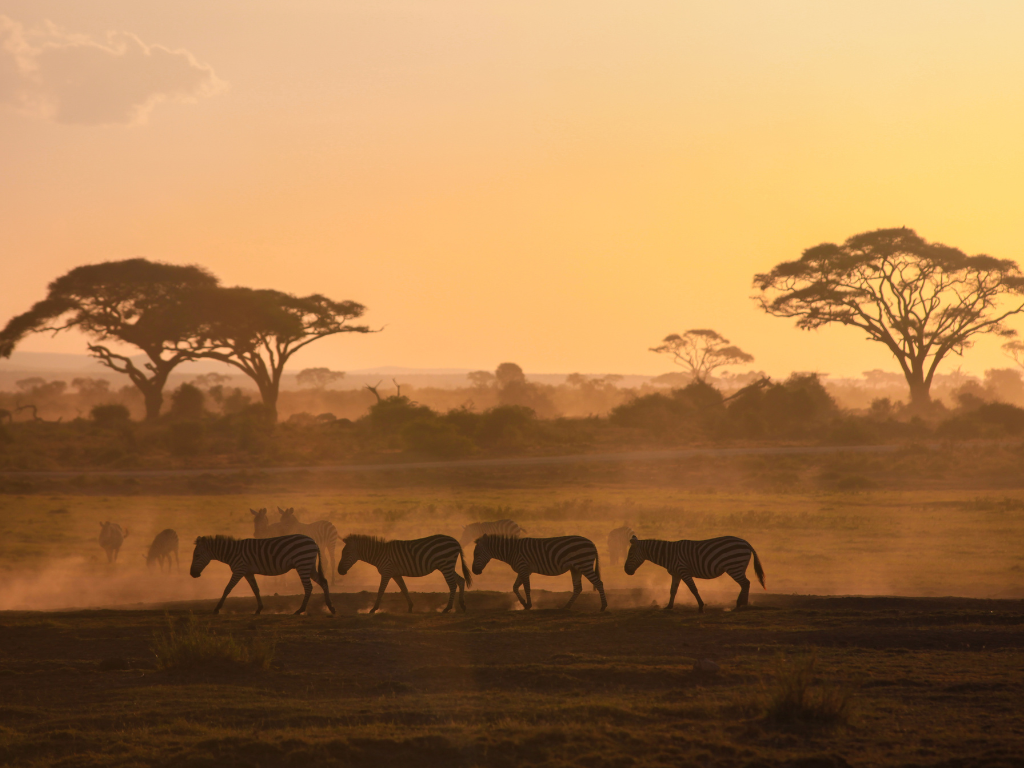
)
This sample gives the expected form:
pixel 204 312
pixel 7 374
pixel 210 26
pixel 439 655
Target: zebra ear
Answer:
pixel 280 510
pixel 253 511
pixel 633 539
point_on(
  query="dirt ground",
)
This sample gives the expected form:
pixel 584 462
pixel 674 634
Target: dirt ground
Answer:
pixel 933 681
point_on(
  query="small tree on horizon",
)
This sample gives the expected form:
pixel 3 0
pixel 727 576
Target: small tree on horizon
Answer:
pixel 701 351
pixel 922 300
pixel 318 378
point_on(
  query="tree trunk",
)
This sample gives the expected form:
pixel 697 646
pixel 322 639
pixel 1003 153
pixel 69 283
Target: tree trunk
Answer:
pixel 269 392
pixel 154 401
pixel 920 393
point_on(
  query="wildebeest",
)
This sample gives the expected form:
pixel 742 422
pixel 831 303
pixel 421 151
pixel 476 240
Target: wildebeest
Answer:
pixel 111 538
pixel 163 545
pixel 474 531
pixel 618 544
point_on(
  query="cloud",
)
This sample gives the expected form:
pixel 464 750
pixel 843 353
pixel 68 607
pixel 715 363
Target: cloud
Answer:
pixel 77 80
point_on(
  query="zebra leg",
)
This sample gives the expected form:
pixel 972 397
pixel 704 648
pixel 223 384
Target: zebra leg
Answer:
pixel 693 588
pixel 256 591
pixel 334 571
pixel 515 588
pixel 454 581
pixel 235 578
pixel 401 585
pixel 322 581
pixel 577 587
pixel 177 562
pixel 526 588
pixel 380 592
pixel 744 583
pixel 307 588
pixel 672 593
pixel 599 586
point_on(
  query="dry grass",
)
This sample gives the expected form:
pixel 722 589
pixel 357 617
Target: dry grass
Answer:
pixel 191 644
pixel 799 697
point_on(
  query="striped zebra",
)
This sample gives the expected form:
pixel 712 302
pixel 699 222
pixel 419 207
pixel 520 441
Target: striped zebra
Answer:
pixel 322 532
pixel 548 557
pixel 268 557
pixel 474 531
pixel 414 557
pixel 263 528
pixel 163 545
pixel 618 544
pixel 688 560
pixel 112 536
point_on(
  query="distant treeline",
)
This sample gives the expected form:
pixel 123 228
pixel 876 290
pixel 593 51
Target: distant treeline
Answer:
pixel 506 415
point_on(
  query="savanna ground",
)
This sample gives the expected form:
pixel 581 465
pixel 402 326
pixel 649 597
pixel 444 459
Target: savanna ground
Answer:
pixel 920 679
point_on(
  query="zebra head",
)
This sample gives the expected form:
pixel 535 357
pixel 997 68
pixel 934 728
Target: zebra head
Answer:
pixel 288 515
pixel 201 557
pixel 636 557
pixel 350 554
pixel 482 555
pixel 259 519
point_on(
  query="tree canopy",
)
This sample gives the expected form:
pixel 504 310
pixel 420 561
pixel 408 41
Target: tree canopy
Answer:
pixel 922 300
pixel 701 351
pixel 258 331
pixel 135 301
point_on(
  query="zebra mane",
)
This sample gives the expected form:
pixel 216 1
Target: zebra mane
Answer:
pixel 362 538
pixel 211 539
pixel 496 538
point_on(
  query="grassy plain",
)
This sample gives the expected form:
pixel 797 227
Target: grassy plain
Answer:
pixel 932 680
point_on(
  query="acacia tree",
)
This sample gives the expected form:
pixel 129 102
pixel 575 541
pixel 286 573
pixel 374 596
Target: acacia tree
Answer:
pixel 922 300
pixel 318 378
pixel 701 351
pixel 136 302
pixel 258 331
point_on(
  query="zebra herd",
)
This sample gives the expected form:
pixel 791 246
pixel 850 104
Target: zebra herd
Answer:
pixel 288 544
pixel 277 549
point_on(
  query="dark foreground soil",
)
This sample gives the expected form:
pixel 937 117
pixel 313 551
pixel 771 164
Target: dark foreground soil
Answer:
pixel 931 682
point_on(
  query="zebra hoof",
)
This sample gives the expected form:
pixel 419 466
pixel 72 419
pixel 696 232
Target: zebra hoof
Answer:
pixel 668 607
pixel 447 610
pixel 373 610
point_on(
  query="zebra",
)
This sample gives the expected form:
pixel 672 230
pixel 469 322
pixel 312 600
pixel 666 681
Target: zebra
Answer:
pixel 111 538
pixel 263 528
pixel 548 557
pixel 322 532
pixel 163 545
pixel 269 557
pixel 687 560
pixel 415 557
pixel 618 544
pixel 474 531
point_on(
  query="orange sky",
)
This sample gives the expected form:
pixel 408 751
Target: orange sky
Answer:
pixel 556 184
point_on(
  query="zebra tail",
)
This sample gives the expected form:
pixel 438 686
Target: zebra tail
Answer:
pixel 759 570
pixel 320 564
pixel 466 573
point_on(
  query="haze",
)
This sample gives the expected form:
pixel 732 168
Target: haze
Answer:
pixel 555 184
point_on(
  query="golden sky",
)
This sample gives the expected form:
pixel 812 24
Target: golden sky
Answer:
pixel 559 184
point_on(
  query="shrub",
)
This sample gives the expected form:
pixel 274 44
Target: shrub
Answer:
pixel 436 439
pixel 111 415
pixel 191 645
pixel 185 437
pixel 187 402
pixel 797 698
